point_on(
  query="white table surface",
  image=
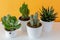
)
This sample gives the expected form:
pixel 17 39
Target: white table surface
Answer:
pixel 53 35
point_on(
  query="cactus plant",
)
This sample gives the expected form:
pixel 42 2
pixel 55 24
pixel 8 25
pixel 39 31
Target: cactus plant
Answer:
pixel 48 15
pixel 34 27
pixel 10 23
pixel 34 21
pixel 24 11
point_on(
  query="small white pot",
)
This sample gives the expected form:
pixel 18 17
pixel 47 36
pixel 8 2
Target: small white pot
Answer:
pixel 47 26
pixel 23 25
pixel 10 34
pixel 34 32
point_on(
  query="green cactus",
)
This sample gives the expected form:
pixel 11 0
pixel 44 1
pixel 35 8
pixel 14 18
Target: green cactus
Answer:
pixel 10 23
pixel 34 21
pixel 48 14
pixel 24 11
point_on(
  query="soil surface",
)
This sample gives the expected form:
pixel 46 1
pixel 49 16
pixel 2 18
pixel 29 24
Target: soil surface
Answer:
pixel 20 18
pixel 35 26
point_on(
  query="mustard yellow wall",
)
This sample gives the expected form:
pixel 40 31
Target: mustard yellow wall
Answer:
pixel 12 6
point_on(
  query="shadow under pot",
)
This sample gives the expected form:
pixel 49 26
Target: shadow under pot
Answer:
pixel 23 23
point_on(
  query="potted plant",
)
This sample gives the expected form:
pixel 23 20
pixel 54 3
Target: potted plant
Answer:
pixel 25 16
pixel 47 18
pixel 10 25
pixel 34 27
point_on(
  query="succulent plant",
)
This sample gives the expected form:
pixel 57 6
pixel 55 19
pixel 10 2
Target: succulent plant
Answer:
pixel 48 14
pixel 24 11
pixel 34 21
pixel 10 23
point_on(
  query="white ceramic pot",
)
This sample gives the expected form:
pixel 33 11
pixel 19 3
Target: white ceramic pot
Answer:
pixel 23 25
pixel 10 34
pixel 47 26
pixel 34 32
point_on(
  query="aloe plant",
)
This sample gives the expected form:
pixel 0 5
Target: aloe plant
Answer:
pixel 10 23
pixel 24 11
pixel 48 14
pixel 34 21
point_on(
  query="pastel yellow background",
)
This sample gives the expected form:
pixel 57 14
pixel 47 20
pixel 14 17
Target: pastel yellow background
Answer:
pixel 12 6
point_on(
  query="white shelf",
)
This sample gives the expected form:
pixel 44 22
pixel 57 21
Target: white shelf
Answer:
pixel 53 35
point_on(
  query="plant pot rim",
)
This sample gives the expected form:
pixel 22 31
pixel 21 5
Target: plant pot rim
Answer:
pixel 24 20
pixel 34 27
pixel 46 21
pixel 9 30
